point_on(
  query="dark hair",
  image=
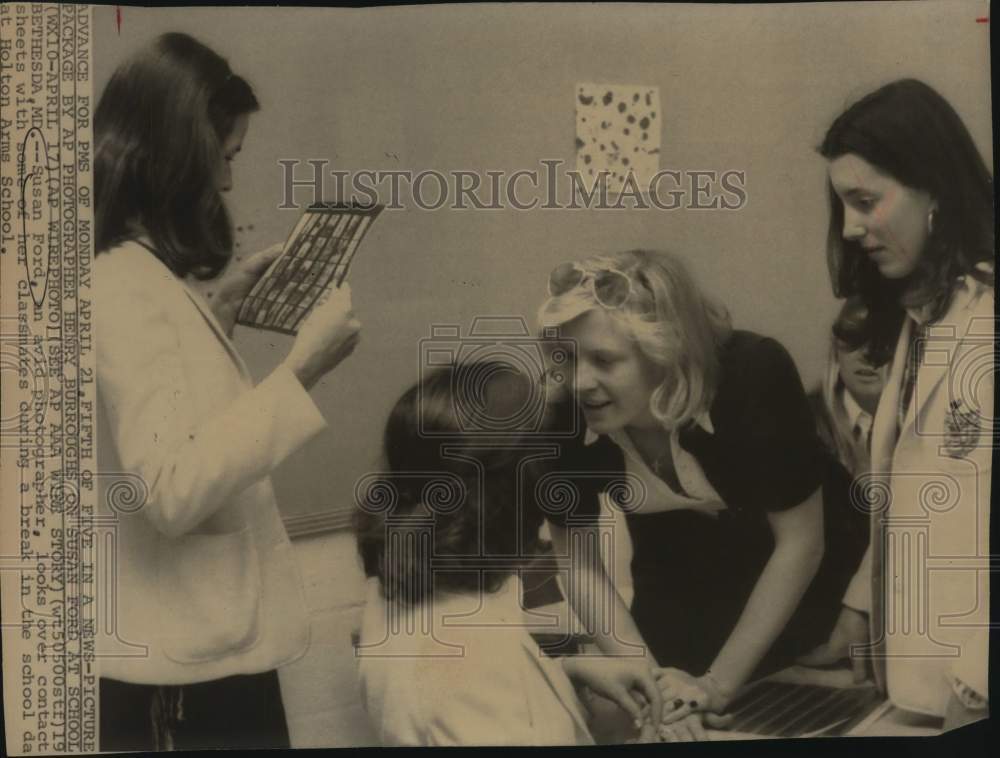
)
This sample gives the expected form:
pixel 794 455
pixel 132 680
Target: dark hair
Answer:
pixel 907 130
pixel 851 325
pixel 158 132
pixel 455 474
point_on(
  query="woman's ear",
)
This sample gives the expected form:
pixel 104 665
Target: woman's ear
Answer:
pixel 932 216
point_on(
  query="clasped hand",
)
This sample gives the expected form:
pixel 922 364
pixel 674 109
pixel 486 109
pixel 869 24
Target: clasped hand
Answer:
pixel 665 704
pixel 689 705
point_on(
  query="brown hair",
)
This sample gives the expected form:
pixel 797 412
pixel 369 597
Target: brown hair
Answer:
pixel 907 130
pixel 458 485
pixel 158 131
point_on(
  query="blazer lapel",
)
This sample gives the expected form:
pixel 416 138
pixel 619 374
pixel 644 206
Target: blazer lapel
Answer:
pixel 939 352
pixel 206 311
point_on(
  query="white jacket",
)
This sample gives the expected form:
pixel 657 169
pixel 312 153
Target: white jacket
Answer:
pixel 203 580
pixel 925 578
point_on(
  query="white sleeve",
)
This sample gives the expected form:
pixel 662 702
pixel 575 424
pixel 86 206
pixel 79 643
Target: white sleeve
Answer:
pixel 191 465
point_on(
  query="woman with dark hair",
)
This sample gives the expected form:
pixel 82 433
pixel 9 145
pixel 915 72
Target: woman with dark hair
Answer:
pixel 912 235
pixel 444 656
pixel 208 598
pixel 941 228
pixel 733 567
pixel 160 128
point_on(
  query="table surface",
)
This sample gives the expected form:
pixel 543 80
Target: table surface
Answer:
pixel 610 725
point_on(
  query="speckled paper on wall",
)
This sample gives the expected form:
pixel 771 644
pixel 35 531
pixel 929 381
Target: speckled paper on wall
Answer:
pixel 617 131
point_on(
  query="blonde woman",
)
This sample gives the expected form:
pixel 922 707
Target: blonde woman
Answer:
pixel 728 568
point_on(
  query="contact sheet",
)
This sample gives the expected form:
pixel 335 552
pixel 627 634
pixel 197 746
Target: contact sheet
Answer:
pixel 318 254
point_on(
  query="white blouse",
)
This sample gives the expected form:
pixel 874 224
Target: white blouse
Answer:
pixel 461 669
pixel 659 496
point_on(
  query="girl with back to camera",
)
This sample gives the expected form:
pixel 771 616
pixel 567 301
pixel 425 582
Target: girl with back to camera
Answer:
pixel 208 596
pixel 445 658
pixel 912 235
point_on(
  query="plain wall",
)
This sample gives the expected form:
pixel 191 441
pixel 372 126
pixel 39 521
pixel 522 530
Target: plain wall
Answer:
pixel 741 87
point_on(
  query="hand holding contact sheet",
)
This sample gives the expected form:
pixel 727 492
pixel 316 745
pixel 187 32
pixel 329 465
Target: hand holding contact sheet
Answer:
pixel 317 255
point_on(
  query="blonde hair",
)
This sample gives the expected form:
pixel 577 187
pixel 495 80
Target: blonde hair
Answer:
pixel 671 320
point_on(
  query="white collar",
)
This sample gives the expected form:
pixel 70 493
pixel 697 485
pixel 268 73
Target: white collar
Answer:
pixel 854 411
pixel 964 294
pixel 703 420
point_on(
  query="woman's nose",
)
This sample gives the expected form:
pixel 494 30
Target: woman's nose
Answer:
pixel 585 378
pixel 854 227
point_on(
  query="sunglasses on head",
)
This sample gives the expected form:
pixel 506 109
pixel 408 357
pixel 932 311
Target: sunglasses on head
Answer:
pixel 611 288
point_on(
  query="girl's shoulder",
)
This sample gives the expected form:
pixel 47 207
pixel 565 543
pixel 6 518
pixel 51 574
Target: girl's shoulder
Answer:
pixel 131 259
pixel 129 278
pixel 128 258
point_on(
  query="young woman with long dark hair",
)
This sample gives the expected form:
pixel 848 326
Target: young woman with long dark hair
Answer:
pixel 208 600
pixel 912 235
